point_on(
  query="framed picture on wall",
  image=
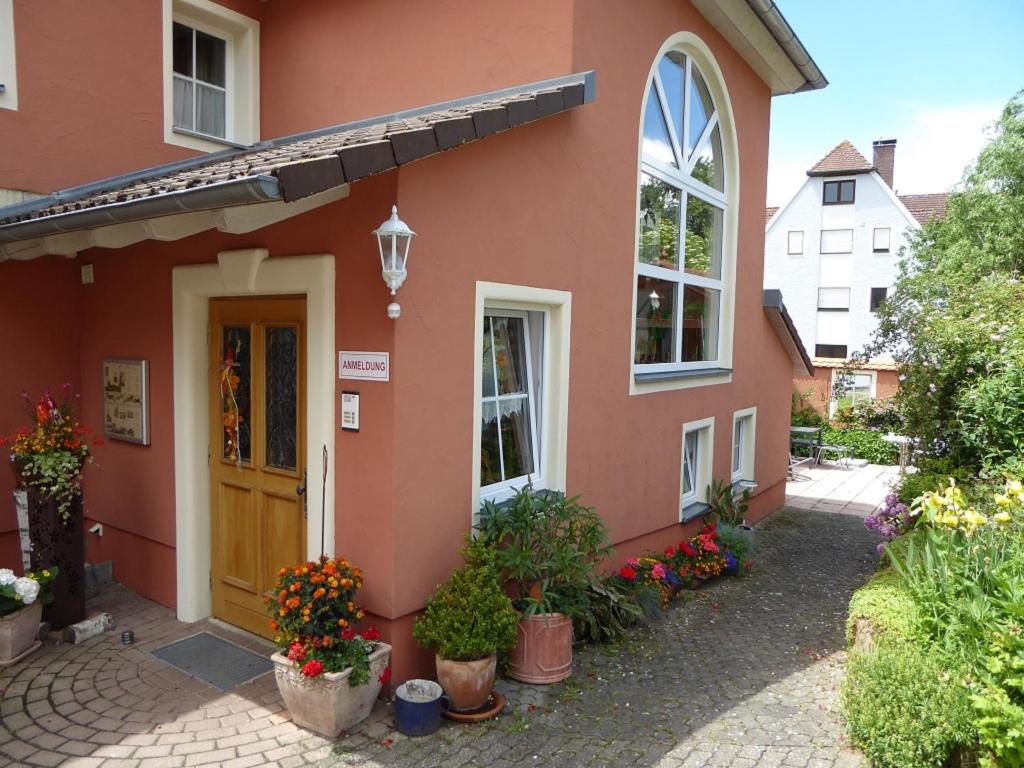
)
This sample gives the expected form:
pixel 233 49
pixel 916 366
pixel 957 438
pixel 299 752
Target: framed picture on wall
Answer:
pixel 126 399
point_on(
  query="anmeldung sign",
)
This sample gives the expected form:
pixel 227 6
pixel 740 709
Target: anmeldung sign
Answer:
pixel 368 366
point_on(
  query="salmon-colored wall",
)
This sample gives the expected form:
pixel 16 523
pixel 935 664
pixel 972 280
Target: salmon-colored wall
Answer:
pixel 817 389
pixel 39 336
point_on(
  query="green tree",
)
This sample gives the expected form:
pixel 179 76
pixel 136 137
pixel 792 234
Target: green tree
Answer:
pixel 955 321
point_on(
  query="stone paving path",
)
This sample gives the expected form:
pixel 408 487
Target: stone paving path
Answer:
pixel 744 674
pixel 831 487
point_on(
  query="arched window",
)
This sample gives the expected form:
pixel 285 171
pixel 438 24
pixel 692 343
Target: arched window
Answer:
pixel 679 283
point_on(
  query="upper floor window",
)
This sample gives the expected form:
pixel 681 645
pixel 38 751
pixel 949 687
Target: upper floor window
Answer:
pixel 211 76
pixel 880 239
pixel 837 241
pixel 795 242
pixel 200 81
pixel 878 296
pixel 833 299
pixel 679 283
pixel 837 351
pixel 839 192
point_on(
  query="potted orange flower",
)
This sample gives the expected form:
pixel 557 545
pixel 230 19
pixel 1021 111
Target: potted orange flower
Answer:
pixel 328 674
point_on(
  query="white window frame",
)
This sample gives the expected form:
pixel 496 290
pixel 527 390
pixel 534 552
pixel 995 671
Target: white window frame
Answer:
pixel 742 470
pixel 8 57
pixel 552 394
pixel 705 429
pixel 872 391
pixel 195 81
pixel 790 249
pixel 888 240
pixel 706 372
pixel 507 488
pixel 825 232
pixel 834 308
pixel 242 79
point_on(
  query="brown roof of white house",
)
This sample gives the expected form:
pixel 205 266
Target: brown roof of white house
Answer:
pixel 924 208
pixel 844 158
pixel 769 212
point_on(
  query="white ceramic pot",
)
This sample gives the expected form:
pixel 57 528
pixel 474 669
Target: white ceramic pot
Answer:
pixel 19 633
pixel 327 704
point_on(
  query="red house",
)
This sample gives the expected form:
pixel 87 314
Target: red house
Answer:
pixel 582 310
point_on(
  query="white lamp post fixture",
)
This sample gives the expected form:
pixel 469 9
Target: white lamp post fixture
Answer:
pixel 393 239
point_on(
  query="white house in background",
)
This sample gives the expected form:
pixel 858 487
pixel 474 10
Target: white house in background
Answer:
pixel 833 250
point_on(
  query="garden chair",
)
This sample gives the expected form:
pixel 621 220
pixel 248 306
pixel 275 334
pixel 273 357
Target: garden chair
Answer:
pixel 799 461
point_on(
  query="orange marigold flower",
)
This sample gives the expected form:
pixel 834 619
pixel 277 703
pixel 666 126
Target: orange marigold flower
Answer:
pixel 342 623
pixel 320 592
pixel 360 613
pixel 293 602
pixel 283 612
pixel 333 594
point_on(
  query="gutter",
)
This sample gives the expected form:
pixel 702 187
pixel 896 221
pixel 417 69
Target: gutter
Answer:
pixel 773 20
pixel 225 194
pixel 771 301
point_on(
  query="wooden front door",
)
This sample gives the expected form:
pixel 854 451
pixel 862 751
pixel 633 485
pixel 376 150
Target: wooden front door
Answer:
pixel 257 451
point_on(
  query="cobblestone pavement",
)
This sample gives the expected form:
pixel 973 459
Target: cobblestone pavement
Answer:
pixel 743 674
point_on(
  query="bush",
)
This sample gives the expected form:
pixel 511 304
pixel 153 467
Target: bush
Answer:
pixel 999 702
pixel 803 413
pixel 902 709
pixel 469 617
pixel 877 415
pixel 615 606
pixel 863 444
pixel 889 605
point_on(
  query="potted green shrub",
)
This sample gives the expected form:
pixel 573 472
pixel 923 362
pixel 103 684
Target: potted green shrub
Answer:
pixel 548 549
pixel 21 610
pixel 729 512
pixel 469 619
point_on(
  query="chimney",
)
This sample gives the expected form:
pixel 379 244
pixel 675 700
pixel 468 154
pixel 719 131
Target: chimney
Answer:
pixel 884 158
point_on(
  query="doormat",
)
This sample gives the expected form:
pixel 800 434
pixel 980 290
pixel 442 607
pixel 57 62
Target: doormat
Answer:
pixel 222 664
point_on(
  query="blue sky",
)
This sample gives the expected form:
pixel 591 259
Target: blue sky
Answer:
pixel 930 73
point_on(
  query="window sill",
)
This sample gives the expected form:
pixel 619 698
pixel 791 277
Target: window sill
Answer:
pixel 698 373
pixel 204 137
pixel 695 510
pixel 738 486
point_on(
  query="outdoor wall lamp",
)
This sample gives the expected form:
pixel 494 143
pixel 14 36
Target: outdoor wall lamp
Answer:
pixel 393 239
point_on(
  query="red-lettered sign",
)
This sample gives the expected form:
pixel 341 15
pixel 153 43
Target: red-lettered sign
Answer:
pixel 368 366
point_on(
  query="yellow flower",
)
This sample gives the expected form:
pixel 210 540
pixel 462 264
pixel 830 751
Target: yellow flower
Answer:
pixel 1015 487
pixel 1002 500
pixel 1001 517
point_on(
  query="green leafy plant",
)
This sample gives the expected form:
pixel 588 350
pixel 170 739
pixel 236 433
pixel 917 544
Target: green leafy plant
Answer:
pixel 738 541
pixel 725 507
pixel 999 701
pixel 803 413
pixel 614 607
pixel 888 604
pixel 548 549
pixel 903 708
pixel 469 617
pixel 863 444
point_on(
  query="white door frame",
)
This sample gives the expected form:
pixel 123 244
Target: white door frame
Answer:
pixel 246 272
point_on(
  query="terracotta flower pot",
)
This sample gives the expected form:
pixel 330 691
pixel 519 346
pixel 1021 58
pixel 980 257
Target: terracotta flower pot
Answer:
pixel 19 633
pixel 467 684
pixel 544 651
pixel 327 704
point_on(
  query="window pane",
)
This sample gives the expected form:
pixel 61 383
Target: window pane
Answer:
pixel 490 456
pixel 833 298
pixel 700 324
pixel 703 238
pixel 211 56
pixel 690 462
pixel 846 191
pixel 878 296
pixel 210 111
pixel 709 167
pixel 737 446
pixel 795 243
pixel 487 361
pixel 655 319
pixel 701 109
pixel 182 49
pixel 516 437
pixel 236 388
pixel 281 397
pixel 881 239
pixel 656 143
pixel 672 70
pixel 659 223
pixel 831 192
pixel 836 240
pixel 509 354
pixel 183 103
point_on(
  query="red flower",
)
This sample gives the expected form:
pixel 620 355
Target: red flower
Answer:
pixel 296 652
pixel 627 573
pixel 670 550
pixel 385 676
pixel 313 668
pixel 687 550
pixel 371 634
pixel 348 634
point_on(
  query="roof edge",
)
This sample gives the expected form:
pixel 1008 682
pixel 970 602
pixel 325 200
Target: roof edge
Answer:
pixel 783 33
pixel 772 303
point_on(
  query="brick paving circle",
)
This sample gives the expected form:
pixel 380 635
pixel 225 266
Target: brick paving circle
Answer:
pixel 744 674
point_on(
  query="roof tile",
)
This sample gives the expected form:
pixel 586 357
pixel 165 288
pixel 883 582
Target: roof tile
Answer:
pixel 924 208
pixel 844 158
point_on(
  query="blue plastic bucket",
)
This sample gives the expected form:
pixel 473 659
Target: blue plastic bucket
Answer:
pixel 418 707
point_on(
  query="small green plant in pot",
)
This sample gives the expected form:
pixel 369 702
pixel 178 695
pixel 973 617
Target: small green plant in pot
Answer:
pixel 548 549
pixel 469 620
pixel 730 514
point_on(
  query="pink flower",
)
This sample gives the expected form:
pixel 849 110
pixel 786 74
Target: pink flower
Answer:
pixel 633 562
pixel 296 652
pixel 658 571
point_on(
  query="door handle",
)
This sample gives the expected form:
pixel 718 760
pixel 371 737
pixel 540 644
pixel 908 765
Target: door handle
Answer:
pixel 300 491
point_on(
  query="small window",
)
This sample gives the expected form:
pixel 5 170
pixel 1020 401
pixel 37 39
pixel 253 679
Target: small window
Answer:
pixel 834 299
pixel 743 424
pixel 509 454
pixel 850 388
pixel 837 241
pixel 698 438
pixel 200 81
pixel 835 351
pixel 878 296
pixel 880 240
pixel 691 443
pixel 839 192
pixel 795 242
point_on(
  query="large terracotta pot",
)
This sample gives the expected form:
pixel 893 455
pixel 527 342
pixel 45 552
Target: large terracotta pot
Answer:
pixel 544 651
pixel 327 704
pixel 19 633
pixel 467 684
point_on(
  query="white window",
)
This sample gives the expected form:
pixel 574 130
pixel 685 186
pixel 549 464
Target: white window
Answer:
pixel 833 299
pixel 509 429
pixel 8 64
pixel 697 447
pixel 837 241
pixel 880 239
pixel 679 274
pixel 211 91
pixel 852 387
pixel 744 424
pixel 795 242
